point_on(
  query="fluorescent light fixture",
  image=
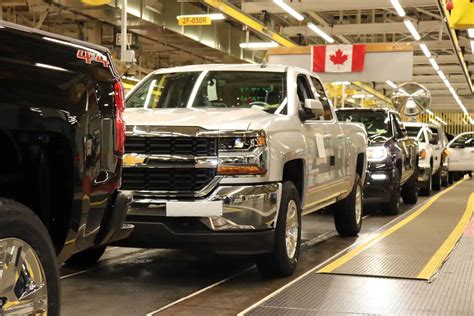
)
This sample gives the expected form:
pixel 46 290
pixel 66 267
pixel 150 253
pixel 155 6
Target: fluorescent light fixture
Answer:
pixel 358 96
pixel 289 9
pixel 439 119
pixel 391 84
pixel 441 74
pixel 412 29
pixel 397 6
pixel 447 83
pixel 338 83
pixel 429 112
pixel 213 16
pixel 378 176
pixel 434 122
pixel 472 47
pixel 470 32
pixel 425 50
pixel 258 45
pixel 130 78
pixel 434 64
pixel 471 120
pixel 321 33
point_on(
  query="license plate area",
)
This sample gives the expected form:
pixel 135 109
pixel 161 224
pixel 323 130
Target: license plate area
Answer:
pixel 194 209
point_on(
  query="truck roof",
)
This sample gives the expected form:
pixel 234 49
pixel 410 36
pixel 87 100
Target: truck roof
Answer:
pixel 228 67
pixel 47 35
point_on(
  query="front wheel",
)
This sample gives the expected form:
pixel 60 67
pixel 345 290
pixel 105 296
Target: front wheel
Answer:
pixel 425 188
pixel 86 257
pixel 29 278
pixel 281 262
pixel 392 207
pixel 348 212
pixel 409 189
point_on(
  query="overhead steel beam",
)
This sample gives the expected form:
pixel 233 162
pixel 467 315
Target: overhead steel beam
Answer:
pixel 330 5
pixel 249 21
pixel 364 28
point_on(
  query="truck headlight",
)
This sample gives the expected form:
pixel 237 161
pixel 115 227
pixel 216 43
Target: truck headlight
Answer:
pixel 377 153
pixel 242 153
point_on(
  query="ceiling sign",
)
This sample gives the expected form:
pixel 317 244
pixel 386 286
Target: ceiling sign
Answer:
pixel 194 20
pixel 96 2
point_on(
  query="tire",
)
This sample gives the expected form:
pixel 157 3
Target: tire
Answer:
pixel 281 262
pixel 410 189
pixel 86 257
pixel 348 212
pixel 456 176
pixel 445 181
pixel 436 180
pixel 450 177
pixel 23 232
pixel 393 206
pixel 425 188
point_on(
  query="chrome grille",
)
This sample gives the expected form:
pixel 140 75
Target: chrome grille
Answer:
pixel 196 146
pixel 166 179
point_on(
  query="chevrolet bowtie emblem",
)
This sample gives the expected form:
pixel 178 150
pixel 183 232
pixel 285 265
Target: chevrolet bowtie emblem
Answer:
pixel 130 160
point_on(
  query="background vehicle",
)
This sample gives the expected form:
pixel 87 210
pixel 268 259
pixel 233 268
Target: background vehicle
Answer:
pixel 62 138
pixel 229 157
pixel 392 157
pixel 431 155
pixel 461 155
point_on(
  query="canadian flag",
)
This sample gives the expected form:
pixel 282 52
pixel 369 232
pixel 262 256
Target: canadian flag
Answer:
pixel 338 58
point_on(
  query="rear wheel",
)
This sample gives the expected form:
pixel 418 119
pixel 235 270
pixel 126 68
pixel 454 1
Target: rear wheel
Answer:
pixel 393 206
pixel 348 212
pixel 436 180
pixel 29 282
pixel 450 177
pixel 87 257
pixel 409 189
pixel 282 260
pixel 425 188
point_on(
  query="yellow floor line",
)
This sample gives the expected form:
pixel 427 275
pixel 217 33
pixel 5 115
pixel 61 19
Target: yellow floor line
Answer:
pixel 357 250
pixel 437 260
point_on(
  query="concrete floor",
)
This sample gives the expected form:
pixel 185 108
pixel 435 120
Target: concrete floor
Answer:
pixel 130 281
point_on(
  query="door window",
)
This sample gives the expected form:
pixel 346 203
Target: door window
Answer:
pixel 304 92
pixel 397 126
pixel 321 95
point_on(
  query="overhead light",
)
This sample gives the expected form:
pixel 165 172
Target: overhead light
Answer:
pixel 391 84
pixel 441 74
pixel 471 120
pixel 320 32
pixel 258 45
pixel 358 96
pixel 289 9
pixel 439 119
pixel 212 16
pixel 434 122
pixel 470 33
pixel 429 112
pixel 338 83
pixel 434 64
pixel 425 50
pixel 472 47
pixel 397 6
pixel 412 29
pixel 447 83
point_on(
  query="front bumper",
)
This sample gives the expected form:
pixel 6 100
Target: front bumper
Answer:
pixel 424 173
pixel 379 186
pixel 245 227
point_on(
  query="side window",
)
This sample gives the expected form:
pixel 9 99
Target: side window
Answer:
pixel 323 98
pixel 304 92
pixel 434 130
pixel 422 137
pixel 397 126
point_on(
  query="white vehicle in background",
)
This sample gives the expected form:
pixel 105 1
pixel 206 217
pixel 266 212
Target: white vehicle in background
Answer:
pixel 461 155
pixel 430 156
pixel 229 157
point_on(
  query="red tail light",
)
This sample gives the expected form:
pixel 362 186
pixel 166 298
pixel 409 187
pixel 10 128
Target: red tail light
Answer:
pixel 119 121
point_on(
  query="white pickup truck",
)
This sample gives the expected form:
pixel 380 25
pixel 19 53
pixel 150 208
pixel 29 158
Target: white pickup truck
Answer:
pixel 229 158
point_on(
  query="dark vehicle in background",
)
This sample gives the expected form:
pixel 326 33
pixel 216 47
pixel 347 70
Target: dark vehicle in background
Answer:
pixel 62 139
pixel 392 158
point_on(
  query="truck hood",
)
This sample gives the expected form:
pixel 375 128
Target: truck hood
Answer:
pixel 211 119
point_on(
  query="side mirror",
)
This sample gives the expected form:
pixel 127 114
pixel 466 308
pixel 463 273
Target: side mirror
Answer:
pixel 315 106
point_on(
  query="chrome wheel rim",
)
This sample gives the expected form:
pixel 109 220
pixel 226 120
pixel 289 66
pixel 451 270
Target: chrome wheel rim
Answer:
pixel 291 236
pixel 358 205
pixel 23 286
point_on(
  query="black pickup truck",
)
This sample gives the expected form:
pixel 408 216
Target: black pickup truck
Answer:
pixel 62 139
pixel 392 158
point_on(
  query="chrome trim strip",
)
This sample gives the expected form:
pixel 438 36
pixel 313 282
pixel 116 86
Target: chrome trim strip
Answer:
pixel 172 161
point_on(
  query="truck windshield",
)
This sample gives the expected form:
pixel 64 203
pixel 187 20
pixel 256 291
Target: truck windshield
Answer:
pixel 376 123
pixel 214 89
pixel 413 131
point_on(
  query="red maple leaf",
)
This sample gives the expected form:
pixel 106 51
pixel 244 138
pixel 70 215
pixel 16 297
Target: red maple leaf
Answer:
pixel 338 58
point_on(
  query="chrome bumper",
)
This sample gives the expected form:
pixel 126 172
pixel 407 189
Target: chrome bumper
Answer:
pixel 423 173
pixel 245 207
